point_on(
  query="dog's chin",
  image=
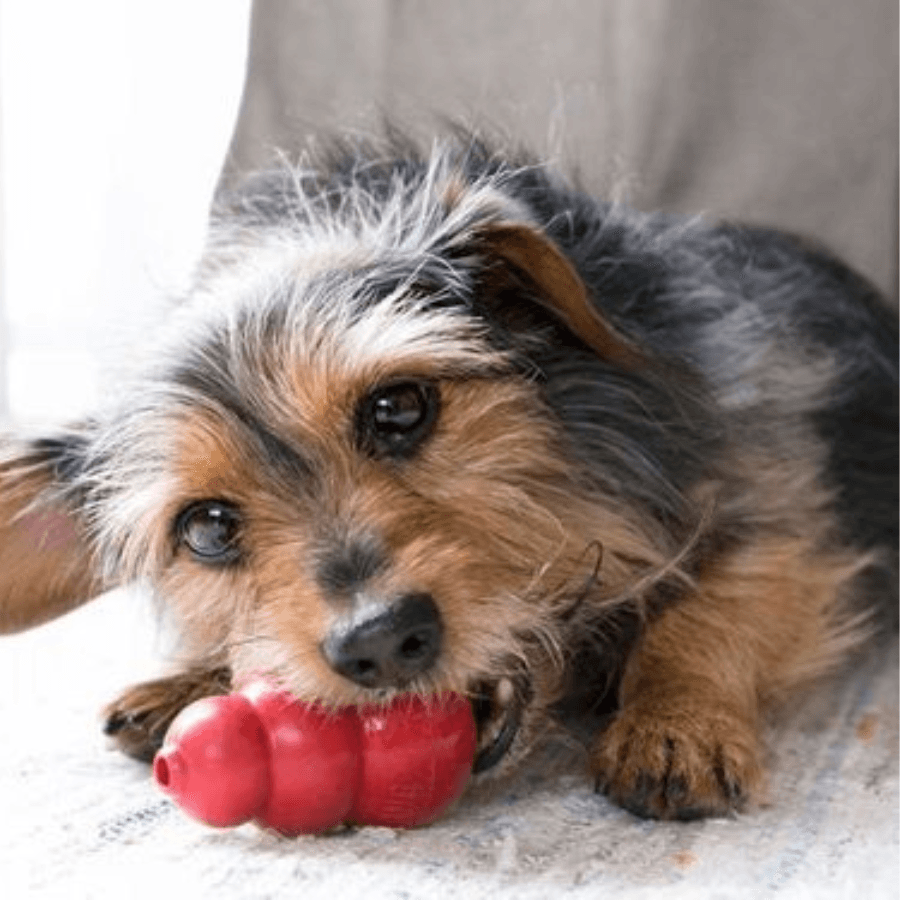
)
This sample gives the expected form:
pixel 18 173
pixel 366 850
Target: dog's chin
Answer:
pixel 501 710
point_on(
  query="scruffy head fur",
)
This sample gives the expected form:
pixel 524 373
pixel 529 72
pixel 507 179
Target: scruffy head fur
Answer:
pixel 440 421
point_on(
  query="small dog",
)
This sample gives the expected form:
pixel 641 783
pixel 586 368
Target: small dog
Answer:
pixel 440 421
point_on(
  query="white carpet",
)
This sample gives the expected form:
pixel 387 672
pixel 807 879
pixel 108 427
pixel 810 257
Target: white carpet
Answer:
pixel 78 821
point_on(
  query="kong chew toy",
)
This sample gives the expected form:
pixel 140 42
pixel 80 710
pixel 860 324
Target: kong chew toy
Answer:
pixel 300 768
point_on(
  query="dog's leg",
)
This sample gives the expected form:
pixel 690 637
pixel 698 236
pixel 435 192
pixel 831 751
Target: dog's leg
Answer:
pixel 686 742
pixel 137 721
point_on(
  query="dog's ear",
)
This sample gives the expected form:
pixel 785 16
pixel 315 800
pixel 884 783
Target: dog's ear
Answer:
pixel 46 560
pixel 530 260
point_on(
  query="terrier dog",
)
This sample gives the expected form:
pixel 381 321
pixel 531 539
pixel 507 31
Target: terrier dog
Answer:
pixel 439 420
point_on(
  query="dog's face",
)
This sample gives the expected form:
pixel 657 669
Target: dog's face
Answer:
pixel 379 518
pixel 338 471
pixel 361 495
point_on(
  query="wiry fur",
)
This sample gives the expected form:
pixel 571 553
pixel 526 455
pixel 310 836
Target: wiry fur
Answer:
pixel 661 478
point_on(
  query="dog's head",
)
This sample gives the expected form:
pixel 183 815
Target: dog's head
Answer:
pixel 369 453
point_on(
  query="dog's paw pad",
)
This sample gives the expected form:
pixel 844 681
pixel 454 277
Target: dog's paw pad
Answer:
pixel 682 765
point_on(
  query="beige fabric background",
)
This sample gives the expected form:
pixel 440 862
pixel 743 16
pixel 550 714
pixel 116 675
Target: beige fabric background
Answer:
pixel 782 112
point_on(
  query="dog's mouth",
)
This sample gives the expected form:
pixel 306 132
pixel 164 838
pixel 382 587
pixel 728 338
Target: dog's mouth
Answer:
pixel 499 709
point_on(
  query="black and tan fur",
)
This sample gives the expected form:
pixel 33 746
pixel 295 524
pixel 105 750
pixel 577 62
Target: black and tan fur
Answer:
pixel 561 452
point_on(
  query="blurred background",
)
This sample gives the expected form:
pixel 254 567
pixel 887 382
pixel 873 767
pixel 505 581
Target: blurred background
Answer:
pixel 114 121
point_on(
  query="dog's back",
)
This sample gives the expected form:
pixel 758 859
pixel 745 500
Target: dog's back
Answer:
pixel 799 351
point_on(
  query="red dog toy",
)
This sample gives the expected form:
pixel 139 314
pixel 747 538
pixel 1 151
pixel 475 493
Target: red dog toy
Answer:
pixel 299 768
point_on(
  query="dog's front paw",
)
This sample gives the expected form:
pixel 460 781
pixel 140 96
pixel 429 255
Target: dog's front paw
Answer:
pixel 137 721
pixel 678 764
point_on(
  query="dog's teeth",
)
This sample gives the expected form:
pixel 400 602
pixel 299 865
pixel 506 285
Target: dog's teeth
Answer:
pixel 505 691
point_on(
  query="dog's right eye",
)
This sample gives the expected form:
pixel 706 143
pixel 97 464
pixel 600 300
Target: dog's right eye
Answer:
pixel 211 530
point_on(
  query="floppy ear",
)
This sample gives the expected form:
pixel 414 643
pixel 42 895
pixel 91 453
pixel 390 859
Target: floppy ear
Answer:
pixel 535 261
pixel 46 561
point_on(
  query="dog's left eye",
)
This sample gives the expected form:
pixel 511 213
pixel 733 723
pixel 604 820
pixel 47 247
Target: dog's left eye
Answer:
pixel 393 420
pixel 210 529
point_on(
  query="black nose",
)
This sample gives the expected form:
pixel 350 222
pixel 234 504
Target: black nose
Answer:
pixel 390 649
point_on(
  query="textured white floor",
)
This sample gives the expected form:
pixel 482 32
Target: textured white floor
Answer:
pixel 77 821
